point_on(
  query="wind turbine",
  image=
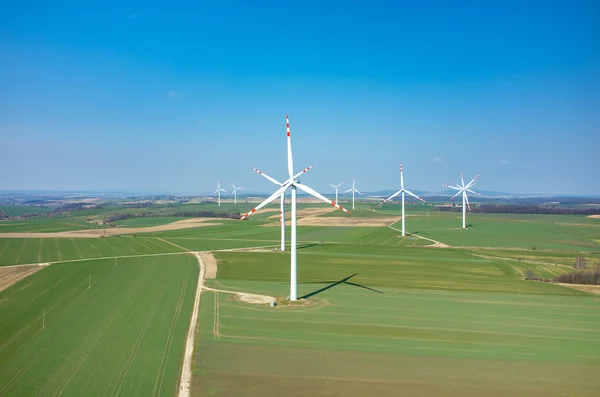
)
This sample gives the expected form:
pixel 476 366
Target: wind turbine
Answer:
pixel 295 184
pixel 282 209
pixel 219 190
pixel 354 189
pixel 336 187
pixel 402 191
pixel 462 188
pixel 234 193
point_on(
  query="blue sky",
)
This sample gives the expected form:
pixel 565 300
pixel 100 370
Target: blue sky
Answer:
pixel 170 97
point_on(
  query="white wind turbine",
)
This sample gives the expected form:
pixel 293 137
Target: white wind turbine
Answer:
pixel 354 189
pixel 462 188
pixel 219 190
pixel 294 184
pixel 336 187
pixel 282 208
pixel 402 191
pixel 234 193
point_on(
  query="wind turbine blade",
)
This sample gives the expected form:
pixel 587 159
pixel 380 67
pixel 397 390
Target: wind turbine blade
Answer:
pixel 267 176
pixel 462 181
pixel 401 177
pixel 353 181
pixel 467 200
pixel 340 184
pixel 356 190
pixel 457 193
pixel 216 191
pixel 272 197
pixel 452 187
pixel 472 182
pixel 472 191
pixel 302 172
pixel 240 188
pixel 414 195
pixel 391 197
pixel 349 190
pixel 332 185
pixel 289 148
pixel 223 190
pixel 318 195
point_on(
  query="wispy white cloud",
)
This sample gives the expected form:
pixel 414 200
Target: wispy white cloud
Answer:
pixel 134 15
pixel 504 161
pixel 438 159
pixel 172 94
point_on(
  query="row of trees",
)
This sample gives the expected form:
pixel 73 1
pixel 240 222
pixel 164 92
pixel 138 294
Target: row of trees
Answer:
pixel 588 272
pixel 590 277
pixel 181 214
pixel 524 209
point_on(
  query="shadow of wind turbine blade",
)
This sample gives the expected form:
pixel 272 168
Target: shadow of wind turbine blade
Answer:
pixel 344 280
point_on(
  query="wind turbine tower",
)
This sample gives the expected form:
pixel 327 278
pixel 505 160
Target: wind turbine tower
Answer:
pixel 336 187
pixel 463 189
pixel 354 189
pixel 234 193
pixel 218 191
pixel 402 191
pixel 295 184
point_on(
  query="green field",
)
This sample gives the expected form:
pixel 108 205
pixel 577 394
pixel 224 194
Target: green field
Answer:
pixel 20 210
pixel 385 315
pixel 18 251
pixel 411 321
pixel 110 327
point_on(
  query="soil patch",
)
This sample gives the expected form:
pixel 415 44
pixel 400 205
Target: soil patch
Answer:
pixel 113 231
pixel 311 217
pixel 379 221
pixel 306 212
pixel 592 289
pixel 594 216
pixel 252 298
pixel 210 264
pixel 11 274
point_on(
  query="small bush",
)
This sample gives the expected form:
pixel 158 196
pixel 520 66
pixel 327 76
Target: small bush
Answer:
pixel 530 275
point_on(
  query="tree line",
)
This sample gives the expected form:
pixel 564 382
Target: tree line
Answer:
pixel 524 209
pixel 180 214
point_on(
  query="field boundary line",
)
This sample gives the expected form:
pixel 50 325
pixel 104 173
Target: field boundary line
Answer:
pixel 93 247
pixel 138 342
pixel 39 255
pixel 173 244
pixel 58 253
pixel 416 327
pixel 216 332
pixel 76 248
pixel 5 247
pixel 186 370
pixel 91 346
pixel 11 382
pixel 165 356
pixel 103 257
pixel 436 244
pixel 20 251
pixel 248 249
